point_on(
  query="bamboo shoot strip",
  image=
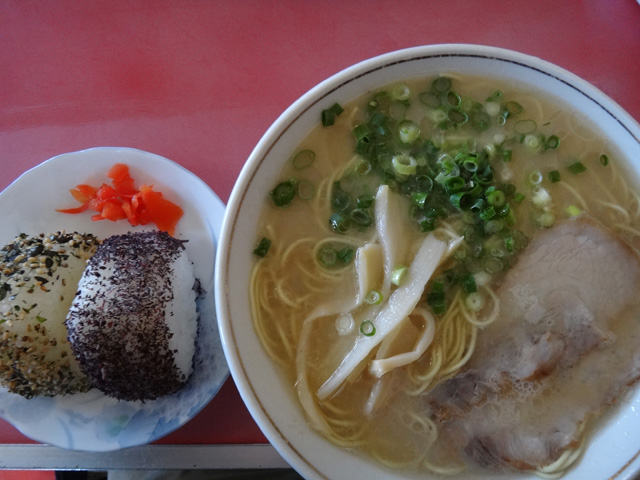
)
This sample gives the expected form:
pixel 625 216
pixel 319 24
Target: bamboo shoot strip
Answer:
pixel 401 303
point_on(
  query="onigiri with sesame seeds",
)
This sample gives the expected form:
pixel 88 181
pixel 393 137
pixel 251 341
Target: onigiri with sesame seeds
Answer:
pixel 133 322
pixel 39 276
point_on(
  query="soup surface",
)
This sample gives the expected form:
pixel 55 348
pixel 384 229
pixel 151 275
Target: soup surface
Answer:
pixel 431 274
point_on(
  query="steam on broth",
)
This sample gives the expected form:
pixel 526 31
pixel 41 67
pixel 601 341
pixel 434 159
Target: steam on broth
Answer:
pixel 386 255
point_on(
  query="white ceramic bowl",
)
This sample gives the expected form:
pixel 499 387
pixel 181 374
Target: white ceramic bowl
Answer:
pixel 615 450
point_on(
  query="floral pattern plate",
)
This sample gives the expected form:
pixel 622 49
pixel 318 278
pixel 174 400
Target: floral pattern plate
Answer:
pixel 92 421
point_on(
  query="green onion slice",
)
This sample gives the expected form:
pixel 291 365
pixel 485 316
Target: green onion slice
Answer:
pixel 367 328
pixel 339 223
pixel 398 274
pixel 404 164
pixel 408 131
pixel 329 115
pixel 401 91
pixel 283 193
pixel 525 126
pixel 303 159
pixel 306 190
pixel 577 167
pixel 262 248
pixel 374 297
pixel 474 301
pixel 328 256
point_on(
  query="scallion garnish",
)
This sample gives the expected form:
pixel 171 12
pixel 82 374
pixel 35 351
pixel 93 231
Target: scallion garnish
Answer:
pixel 374 297
pixel 367 328
pixel 554 176
pixel 577 167
pixel 329 115
pixel 283 193
pixel 263 247
pixel 468 283
pixel 552 142
pixel 398 275
pixel 474 301
pixel 303 159
pixel 604 160
pixel 339 223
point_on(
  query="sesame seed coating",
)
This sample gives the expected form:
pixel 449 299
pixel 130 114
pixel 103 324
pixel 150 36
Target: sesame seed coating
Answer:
pixel 38 276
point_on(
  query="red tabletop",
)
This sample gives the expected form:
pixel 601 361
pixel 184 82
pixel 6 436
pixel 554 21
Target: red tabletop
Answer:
pixel 200 81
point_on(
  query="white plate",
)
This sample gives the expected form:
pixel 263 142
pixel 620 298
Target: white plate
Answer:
pixel 92 421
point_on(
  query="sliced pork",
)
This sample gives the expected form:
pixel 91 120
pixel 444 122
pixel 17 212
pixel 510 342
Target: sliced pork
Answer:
pixel 564 347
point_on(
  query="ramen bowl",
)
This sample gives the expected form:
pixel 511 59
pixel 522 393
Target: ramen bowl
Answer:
pixel 613 450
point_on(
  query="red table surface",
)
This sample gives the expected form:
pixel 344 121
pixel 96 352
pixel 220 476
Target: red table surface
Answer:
pixel 199 82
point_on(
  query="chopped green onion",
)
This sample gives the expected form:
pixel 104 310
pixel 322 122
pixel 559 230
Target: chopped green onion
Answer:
pixel 469 284
pixel 364 201
pixel 573 211
pixel 339 223
pixel 604 160
pixel 404 164
pixel 361 216
pixel 367 328
pixel 283 193
pixel 519 197
pixel 487 214
pixel 374 297
pixel 492 265
pixel 536 177
pixel 577 167
pixel 546 219
pixel 494 225
pixel 453 99
pixel 262 248
pixel 554 176
pixel 303 159
pixel 474 301
pixel 306 190
pixel 506 155
pixel 340 200
pixel 408 131
pixel 495 96
pixel 514 108
pixel 361 132
pixel 553 142
pixel 496 198
pixel 541 197
pixel 398 274
pixel 457 116
pixel 363 167
pixel 430 99
pixel 441 85
pixel 419 199
pixel 532 141
pixel 41 319
pixel 525 126
pixel 329 115
pixel 345 255
pixel 328 256
pixel 401 91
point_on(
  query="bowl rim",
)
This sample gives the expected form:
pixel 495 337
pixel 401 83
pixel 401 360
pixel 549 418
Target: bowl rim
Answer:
pixel 289 117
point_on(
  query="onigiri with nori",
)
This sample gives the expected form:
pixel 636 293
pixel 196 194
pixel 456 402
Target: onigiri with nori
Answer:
pixel 133 322
pixel 39 276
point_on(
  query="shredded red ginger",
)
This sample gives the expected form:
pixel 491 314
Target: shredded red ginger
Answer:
pixel 121 200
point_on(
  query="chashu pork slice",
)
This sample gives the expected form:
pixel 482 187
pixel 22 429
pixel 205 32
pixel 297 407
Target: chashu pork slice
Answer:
pixel 563 347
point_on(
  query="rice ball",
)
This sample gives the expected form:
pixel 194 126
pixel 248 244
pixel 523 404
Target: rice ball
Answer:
pixel 133 322
pixel 38 279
